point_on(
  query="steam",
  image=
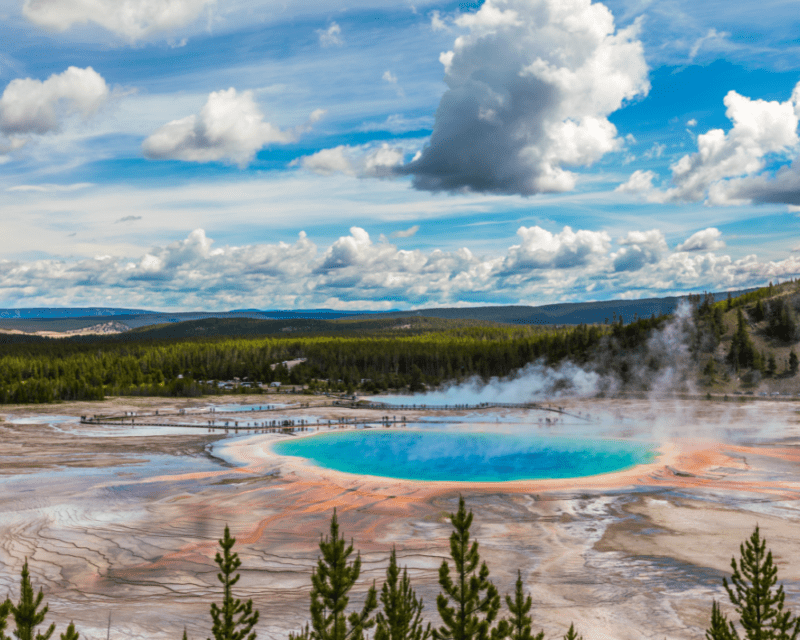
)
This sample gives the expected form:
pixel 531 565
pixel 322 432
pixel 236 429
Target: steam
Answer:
pixel 664 365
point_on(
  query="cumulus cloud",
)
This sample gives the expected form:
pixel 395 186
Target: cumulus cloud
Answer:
pixel 638 249
pixel 30 106
pixel 727 167
pixel 357 272
pixel 706 240
pixel 361 162
pixel 530 88
pixel 332 36
pixel 230 127
pixel 131 19
pixel 540 249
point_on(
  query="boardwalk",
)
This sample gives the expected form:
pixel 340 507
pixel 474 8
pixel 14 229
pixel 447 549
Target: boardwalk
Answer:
pixel 228 421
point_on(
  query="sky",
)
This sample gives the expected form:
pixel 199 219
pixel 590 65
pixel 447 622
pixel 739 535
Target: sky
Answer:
pixel 393 154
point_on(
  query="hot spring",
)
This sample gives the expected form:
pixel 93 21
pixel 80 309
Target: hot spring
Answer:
pixel 458 456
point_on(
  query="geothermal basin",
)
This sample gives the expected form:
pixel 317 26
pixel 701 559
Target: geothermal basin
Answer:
pixel 123 520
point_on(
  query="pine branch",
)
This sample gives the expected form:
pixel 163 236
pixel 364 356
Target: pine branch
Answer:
pixel 71 634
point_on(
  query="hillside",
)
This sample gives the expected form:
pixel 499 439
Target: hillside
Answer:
pixel 749 342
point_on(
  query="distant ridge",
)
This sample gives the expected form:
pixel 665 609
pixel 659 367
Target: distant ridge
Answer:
pixel 566 313
pixel 570 313
pixel 69 312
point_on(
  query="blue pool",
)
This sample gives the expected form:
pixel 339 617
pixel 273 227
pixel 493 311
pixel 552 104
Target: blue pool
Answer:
pixel 465 457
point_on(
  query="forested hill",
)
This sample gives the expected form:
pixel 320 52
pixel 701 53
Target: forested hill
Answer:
pixel 734 345
pixel 751 343
pixel 405 356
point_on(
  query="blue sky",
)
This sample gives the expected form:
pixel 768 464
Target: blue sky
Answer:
pixel 373 154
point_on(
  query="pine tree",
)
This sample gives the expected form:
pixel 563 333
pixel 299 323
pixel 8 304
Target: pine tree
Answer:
pixel 226 625
pixel 27 615
pixel 70 633
pixel 331 581
pixel 519 624
pixel 5 609
pixel 572 634
pixel 719 629
pixel 751 590
pixel 401 617
pixel 794 363
pixel 471 615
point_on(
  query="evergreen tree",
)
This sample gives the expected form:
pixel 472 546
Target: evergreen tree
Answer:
pixel 759 313
pixel 794 363
pixel 751 590
pixel 519 624
pixel 235 619
pixel 742 352
pixel 710 370
pixel 471 615
pixel 70 633
pixel 572 634
pixel 401 618
pixel 331 581
pixel 719 629
pixel 5 609
pixel 772 365
pixel 27 615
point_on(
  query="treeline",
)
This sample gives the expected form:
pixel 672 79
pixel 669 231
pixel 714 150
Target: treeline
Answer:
pixel 469 605
pixel 52 370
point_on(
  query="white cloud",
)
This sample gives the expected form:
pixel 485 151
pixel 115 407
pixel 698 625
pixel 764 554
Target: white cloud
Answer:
pixel 691 123
pixel 332 36
pixel 131 19
pixel 540 249
pixel 530 87
pixel 726 169
pixel 656 151
pixel 407 233
pixel 14 143
pixel 229 127
pixel 638 249
pixel 362 162
pixel 356 272
pixel 389 77
pixel 709 40
pixel 397 123
pixel 437 24
pixel 639 182
pixel 30 106
pixel 51 188
pixel 705 240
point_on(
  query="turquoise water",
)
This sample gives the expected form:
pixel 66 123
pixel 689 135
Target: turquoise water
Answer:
pixel 465 457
